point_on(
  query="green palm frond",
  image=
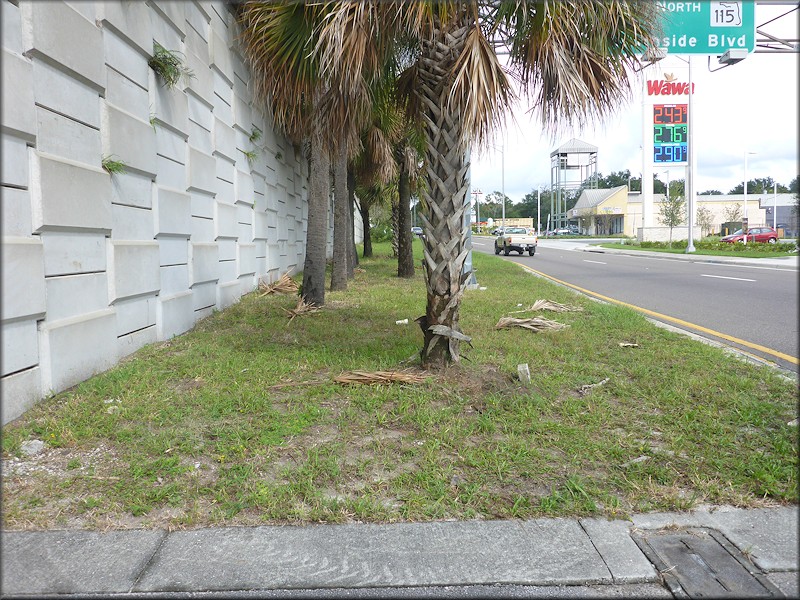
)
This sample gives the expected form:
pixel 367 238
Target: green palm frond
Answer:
pixel 575 59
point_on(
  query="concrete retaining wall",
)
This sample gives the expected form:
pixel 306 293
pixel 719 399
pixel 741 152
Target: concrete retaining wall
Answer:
pixel 96 265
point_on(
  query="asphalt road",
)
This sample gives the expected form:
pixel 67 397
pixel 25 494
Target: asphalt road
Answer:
pixel 754 304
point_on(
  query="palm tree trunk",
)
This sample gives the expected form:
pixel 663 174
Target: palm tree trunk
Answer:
pixel 317 227
pixel 341 228
pixel 405 251
pixel 445 246
pixel 395 225
pixel 367 236
pixel 352 255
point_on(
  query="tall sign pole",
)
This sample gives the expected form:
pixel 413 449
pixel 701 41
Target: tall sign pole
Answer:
pixel 690 167
pixel 725 29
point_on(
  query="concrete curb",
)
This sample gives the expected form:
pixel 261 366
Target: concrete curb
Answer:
pixel 538 552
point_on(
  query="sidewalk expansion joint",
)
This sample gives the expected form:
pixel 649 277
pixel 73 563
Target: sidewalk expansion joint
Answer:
pixel 149 562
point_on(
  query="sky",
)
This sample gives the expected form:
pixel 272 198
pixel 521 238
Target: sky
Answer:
pixel 748 107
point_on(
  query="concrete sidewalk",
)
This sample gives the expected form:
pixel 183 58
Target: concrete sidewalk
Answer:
pixel 534 558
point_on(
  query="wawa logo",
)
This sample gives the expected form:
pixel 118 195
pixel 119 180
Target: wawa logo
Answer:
pixel 667 86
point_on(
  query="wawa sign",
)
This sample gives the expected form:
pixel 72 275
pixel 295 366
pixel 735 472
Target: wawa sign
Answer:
pixel 668 86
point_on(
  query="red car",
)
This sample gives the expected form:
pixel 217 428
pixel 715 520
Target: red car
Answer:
pixel 754 234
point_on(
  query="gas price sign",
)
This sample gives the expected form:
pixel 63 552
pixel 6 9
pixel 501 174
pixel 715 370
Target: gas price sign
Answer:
pixel 670 143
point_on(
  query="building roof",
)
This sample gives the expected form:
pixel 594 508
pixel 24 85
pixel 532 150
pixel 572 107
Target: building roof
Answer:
pixel 590 198
pixel 574 146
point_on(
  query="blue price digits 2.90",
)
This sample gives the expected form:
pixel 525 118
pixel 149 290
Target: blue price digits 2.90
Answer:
pixel 670 154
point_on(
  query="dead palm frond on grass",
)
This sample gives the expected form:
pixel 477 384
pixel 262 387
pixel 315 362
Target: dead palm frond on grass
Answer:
pixel 536 324
pixel 379 377
pixel 302 308
pixel 284 285
pixel 549 305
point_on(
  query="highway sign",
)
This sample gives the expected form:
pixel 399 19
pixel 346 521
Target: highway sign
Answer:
pixel 707 27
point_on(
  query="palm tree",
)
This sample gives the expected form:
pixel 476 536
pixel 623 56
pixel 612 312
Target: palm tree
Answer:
pixel 277 39
pixel 572 58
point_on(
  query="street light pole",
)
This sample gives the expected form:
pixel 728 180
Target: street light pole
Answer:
pixel 538 210
pixel 503 184
pixel 745 195
pixel 775 206
pixel 477 194
pixel 690 159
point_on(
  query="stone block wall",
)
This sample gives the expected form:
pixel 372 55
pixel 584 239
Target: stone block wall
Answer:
pixel 98 264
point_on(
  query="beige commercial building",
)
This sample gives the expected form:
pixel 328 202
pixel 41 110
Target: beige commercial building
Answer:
pixel 618 211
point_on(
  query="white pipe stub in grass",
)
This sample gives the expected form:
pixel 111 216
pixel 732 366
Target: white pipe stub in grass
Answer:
pixel 524 372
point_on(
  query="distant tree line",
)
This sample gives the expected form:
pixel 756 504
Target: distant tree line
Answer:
pixel 491 205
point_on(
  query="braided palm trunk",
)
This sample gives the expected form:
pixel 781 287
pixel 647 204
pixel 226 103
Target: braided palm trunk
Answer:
pixel 445 246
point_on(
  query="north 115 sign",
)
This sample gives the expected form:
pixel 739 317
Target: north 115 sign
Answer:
pixel 670 143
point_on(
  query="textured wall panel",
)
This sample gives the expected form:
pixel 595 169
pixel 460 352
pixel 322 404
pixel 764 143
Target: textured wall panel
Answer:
pixel 129 96
pixel 68 195
pixel 132 189
pixel 130 21
pixel 204 260
pixel 65 138
pixel 133 269
pixel 20 343
pixel 128 138
pixel 15 213
pixel 174 316
pixel 20 391
pixel 73 295
pixel 202 171
pixel 11 23
pixel 57 31
pixel 14 170
pixel 135 314
pixel 70 253
pixel 131 223
pixel 22 279
pixel 75 349
pixel 173 250
pixel 173 211
pixel 17 96
pixel 127 59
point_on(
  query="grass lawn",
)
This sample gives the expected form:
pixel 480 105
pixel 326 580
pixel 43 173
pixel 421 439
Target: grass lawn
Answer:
pixel 240 421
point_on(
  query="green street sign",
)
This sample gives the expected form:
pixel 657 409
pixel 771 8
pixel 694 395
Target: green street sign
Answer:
pixel 707 27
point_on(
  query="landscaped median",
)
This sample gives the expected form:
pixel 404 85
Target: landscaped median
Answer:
pixel 254 417
pixel 712 247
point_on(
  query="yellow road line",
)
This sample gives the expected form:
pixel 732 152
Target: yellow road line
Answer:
pixel 764 349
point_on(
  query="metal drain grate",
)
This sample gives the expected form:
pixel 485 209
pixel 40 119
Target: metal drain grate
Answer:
pixel 701 563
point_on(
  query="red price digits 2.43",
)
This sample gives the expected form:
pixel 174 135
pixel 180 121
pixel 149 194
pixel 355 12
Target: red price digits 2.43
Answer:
pixel 668 114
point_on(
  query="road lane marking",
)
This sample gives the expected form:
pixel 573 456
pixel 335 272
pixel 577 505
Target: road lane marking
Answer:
pixel 723 277
pixel 597 262
pixel 787 357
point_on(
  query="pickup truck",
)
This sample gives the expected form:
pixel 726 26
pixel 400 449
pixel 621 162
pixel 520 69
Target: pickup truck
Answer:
pixel 517 239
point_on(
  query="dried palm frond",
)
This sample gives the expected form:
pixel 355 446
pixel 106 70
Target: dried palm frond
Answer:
pixel 284 285
pixel 585 389
pixel 363 377
pixel 549 305
pixel 535 324
pixel 302 308
pixel 555 306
